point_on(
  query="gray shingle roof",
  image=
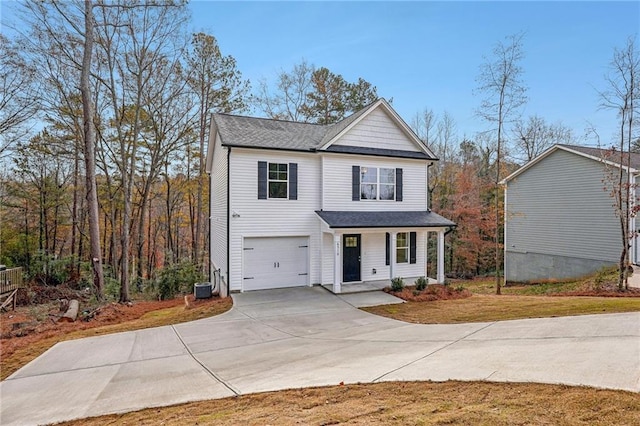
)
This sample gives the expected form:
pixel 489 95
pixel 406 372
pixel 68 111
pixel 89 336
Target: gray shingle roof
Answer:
pixel 606 154
pixel 253 132
pixel 384 219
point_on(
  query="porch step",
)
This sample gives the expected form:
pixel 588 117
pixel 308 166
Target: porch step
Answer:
pixel 369 286
pixel 355 288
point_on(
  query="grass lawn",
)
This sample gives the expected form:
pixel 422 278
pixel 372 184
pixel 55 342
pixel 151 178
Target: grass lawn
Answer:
pixel 488 308
pixel 593 295
pixel 401 403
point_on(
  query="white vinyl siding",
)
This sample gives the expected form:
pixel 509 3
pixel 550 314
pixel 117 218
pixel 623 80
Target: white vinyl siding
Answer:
pixel 559 207
pixel 219 178
pixel 377 130
pixel 273 217
pixel 327 258
pixel 373 257
pixel 338 191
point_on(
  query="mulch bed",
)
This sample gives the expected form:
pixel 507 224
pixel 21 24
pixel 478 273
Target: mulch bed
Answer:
pixel 431 293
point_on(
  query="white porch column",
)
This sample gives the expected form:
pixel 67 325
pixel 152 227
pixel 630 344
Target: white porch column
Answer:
pixel 440 277
pixel 392 255
pixel 336 264
pixel 426 254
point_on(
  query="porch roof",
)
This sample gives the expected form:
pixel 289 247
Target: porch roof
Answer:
pixel 384 219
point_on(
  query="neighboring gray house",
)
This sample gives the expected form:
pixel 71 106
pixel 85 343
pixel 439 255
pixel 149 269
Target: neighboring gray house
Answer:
pixel 560 222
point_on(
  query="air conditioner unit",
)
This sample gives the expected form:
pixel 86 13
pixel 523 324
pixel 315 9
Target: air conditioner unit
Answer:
pixel 202 290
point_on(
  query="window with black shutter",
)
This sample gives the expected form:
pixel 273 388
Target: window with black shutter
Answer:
pixel 277 180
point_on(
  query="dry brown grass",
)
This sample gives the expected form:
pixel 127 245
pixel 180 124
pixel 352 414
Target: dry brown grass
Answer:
pixel 18 351
pixel 487 308
pixel 401 403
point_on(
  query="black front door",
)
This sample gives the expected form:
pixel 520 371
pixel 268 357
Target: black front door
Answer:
pixel 351 258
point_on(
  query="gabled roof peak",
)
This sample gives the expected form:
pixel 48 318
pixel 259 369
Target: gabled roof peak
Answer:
pixel 268 133
pixel 609 156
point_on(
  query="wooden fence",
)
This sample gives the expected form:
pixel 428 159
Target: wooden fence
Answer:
pixel 10 280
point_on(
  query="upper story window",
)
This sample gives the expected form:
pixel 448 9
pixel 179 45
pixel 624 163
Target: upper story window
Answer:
pixel 278 180
pixel 377 183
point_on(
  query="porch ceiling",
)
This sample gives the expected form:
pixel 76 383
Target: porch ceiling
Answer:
pixel 384 219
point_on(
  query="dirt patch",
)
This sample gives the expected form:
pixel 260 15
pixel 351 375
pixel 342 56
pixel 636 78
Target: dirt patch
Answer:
pixel 430 293
pixel 34 328
pixel 632 292
pixel 600 289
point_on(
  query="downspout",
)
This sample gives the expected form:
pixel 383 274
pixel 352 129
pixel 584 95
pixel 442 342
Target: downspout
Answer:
pixel 451 229
pixel 215 289
pixel 228 222
pixel 428 191
pixel 447 232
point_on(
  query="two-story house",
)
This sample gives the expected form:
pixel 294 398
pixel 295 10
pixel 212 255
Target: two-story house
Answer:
pixel 299 204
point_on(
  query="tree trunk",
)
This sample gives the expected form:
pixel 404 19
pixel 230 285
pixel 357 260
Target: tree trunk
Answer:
pixel 497 194
pixel 89 153
pixel 74 208
pixel 72 313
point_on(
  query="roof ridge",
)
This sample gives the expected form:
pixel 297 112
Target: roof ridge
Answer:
pixel 270 119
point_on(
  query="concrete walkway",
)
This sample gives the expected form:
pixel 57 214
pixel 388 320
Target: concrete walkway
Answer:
pixel 302 337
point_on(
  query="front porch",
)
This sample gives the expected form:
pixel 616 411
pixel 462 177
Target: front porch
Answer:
pixel 364 251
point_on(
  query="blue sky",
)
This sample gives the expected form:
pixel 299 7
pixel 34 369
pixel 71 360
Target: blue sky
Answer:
pixel 427 54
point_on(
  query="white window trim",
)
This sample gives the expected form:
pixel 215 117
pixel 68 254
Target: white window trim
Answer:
pixel 377 183
pixel 269 180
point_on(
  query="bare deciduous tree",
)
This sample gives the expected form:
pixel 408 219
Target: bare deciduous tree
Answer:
pixel 500 82
pixel 290 94
pixel 18 93
pixel 535 136
pixel 218 86
pixel 623 96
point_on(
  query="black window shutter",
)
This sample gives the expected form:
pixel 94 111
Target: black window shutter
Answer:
pixel 262 180
pixel 293 181
pixel 412 247
pixel 398 184
pixel 355 182
pixel 387 254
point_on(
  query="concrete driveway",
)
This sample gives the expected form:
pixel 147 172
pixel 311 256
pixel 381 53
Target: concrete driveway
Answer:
pixel 301 337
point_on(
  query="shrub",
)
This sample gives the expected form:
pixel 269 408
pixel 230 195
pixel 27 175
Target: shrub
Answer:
pixel 176 279
pixel 111 288
pixel 46 269
pixel 421 283
pixel 397 284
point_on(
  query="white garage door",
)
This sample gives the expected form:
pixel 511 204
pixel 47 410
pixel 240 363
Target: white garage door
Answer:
pixel 275 262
